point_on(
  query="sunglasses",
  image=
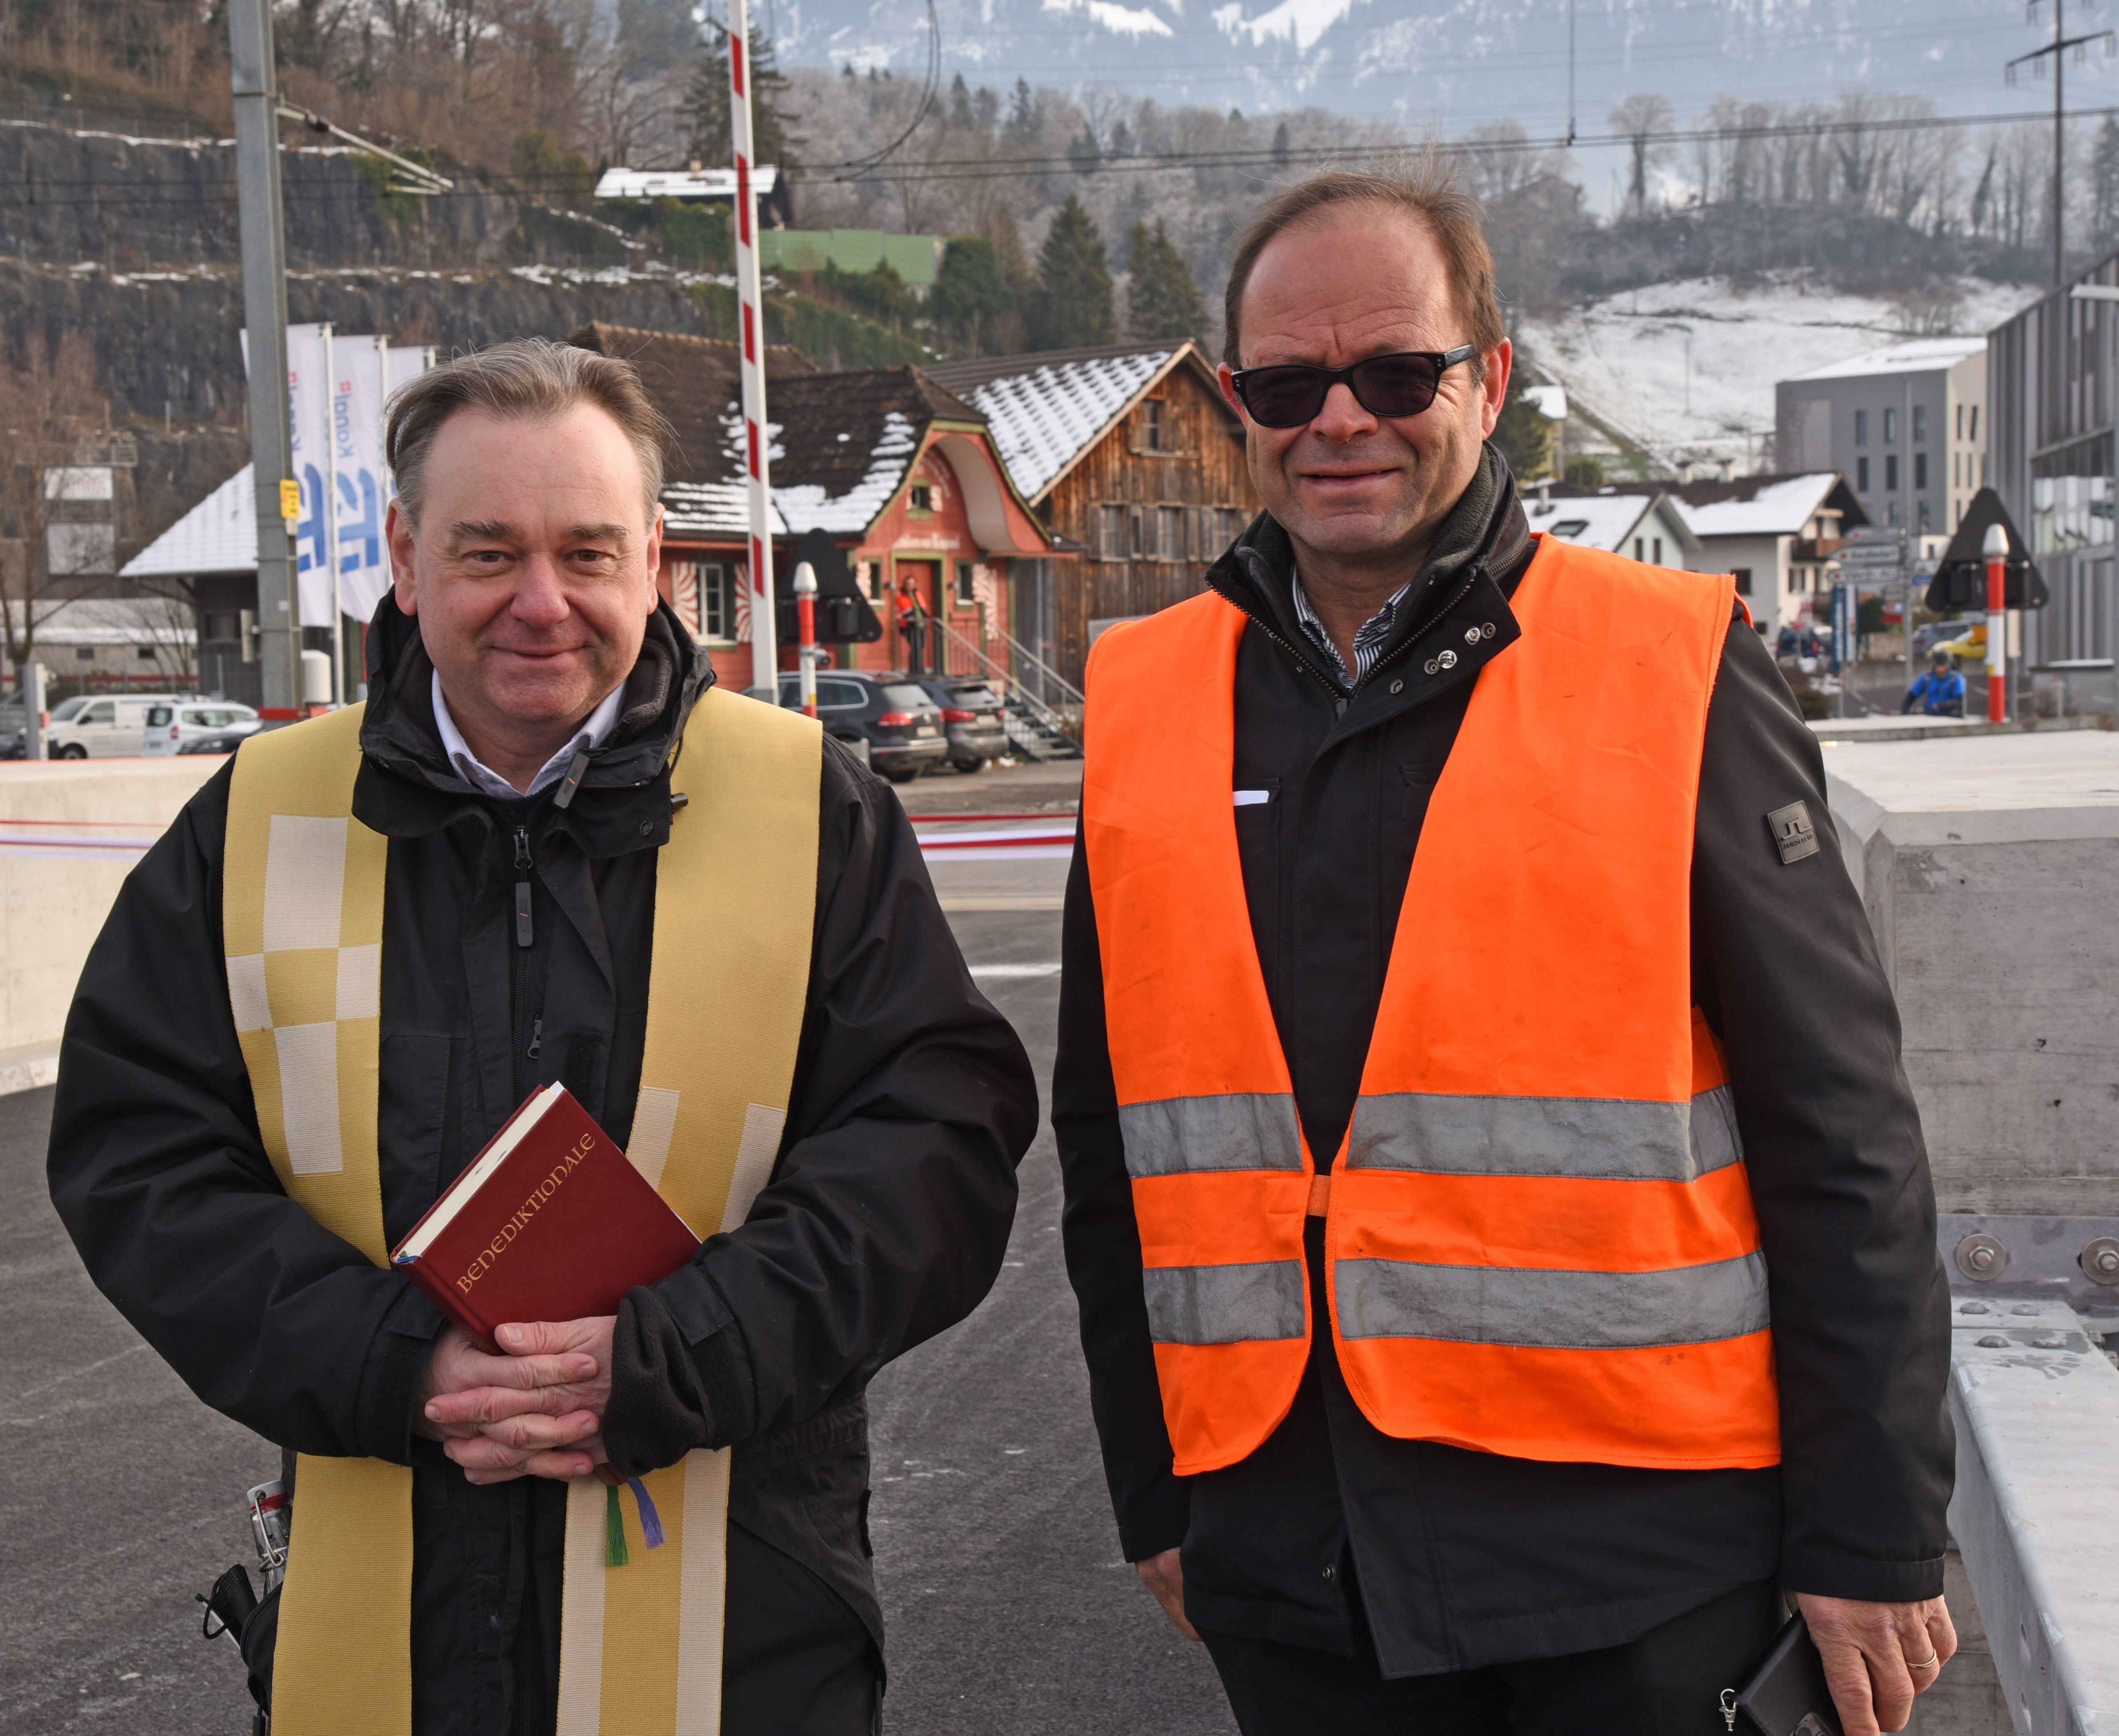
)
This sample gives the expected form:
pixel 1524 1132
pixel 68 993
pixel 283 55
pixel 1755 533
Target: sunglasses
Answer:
pixel 1404 384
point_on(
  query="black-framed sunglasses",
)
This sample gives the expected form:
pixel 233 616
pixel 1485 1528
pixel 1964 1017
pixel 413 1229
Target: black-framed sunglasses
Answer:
pixel 1401 384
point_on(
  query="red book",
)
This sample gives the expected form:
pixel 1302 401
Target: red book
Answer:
pixel 550 1221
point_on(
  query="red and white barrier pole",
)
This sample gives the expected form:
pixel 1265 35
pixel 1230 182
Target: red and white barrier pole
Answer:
pixel 806 628
pixel 1996 548
pixel 764 627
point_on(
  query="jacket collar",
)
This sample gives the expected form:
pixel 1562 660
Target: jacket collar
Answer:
pixel 1485 533
pixel 407 785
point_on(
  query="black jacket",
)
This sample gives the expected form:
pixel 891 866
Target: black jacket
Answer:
pixel 1464 1558
pixel 884 1222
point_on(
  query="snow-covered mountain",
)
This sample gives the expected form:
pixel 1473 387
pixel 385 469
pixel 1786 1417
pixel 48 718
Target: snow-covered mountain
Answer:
pixel 1685 371
pixel 1453 64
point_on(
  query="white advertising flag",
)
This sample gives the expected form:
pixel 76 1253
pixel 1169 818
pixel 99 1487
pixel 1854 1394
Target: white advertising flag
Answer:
pixel 408 361
pixel 357 394
pixel 309 409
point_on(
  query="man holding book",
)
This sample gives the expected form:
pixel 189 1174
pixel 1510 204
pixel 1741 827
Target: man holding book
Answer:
pixel 545 853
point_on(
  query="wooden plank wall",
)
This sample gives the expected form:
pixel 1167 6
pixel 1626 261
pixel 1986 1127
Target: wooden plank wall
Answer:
pixel 1203 468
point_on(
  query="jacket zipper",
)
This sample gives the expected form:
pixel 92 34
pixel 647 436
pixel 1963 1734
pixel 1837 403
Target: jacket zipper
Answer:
pixel 525 933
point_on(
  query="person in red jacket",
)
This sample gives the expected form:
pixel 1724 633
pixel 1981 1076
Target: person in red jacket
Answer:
pixel 1503 1236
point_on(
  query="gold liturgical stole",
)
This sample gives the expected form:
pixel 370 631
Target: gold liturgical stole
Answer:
pixel 640 1647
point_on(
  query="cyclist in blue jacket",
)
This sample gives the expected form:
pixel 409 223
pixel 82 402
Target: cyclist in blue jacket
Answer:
pixel 1939 692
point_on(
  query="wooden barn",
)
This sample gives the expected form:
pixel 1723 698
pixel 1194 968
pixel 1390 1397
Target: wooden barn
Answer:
pixel 1133 458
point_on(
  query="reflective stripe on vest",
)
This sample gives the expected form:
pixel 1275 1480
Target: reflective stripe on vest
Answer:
pixel 1540 1235
pixel 640 1645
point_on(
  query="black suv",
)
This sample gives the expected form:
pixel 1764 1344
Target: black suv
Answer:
pixel 974 715
pixel 891 712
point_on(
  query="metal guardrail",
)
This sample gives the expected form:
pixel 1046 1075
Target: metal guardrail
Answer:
pixel 2036 1510
pixel 2035 1400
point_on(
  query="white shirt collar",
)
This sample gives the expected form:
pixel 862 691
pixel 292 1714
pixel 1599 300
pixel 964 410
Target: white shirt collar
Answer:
pixel 594 729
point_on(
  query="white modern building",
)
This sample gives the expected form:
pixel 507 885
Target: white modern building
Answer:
pixel 1906 425
pixel 1776 534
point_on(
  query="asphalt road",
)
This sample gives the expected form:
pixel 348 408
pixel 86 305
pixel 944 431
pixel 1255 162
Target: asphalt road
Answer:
pixel 1008 1604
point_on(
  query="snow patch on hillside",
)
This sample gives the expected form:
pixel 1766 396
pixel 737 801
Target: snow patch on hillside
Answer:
pixel 1686 370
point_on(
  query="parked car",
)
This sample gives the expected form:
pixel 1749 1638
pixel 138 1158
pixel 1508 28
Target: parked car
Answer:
pixel 215 726
pixel 1935 633
pixel 891 712
pixel 1968 647
pixel 14 732
pixel 101 727
pixel 974 717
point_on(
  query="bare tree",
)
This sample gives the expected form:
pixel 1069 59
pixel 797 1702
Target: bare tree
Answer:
pixel 51 402
pixel 1644 122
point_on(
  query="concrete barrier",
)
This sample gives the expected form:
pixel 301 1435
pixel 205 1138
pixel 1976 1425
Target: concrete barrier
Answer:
pixel 1990 869
pixel 70 832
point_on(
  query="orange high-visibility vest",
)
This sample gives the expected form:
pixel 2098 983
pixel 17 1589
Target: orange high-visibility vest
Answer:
pixel 1540 1239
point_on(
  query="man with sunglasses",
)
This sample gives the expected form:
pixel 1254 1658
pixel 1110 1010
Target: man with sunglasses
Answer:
pixel 1502 1231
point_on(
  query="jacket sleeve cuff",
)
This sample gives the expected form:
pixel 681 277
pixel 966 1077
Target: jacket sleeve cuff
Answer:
pixel 680 1378
pixel 390 1385
pixel 1828 1573
pixel 1157 1520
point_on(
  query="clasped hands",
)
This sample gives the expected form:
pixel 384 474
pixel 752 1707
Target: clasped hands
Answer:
pixel 534 1411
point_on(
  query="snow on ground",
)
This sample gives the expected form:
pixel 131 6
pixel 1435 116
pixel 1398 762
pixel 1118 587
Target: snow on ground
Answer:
pixel 1686 370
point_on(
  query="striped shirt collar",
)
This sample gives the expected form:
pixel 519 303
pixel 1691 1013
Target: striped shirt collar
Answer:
pixel 1368 642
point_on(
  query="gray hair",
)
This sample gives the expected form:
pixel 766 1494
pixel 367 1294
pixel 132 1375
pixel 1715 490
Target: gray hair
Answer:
pixel 528 378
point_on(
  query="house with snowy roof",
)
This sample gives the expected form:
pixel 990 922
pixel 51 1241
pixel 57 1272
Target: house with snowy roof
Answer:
pixel 903 475
pixel 1777 534
pixel 1132 457
pixel 1640 520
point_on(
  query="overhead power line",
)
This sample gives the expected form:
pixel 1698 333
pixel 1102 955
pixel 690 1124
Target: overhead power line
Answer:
pixel 166 190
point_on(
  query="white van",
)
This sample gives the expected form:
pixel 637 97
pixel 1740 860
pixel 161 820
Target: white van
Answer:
pixel 212 727
pixel 106 726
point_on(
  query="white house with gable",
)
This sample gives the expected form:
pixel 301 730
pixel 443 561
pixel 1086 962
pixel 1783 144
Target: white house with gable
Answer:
pixel 1639 520
pixel 1776 535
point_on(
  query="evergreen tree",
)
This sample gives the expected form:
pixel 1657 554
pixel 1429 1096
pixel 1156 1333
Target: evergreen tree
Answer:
pixel 1022 115
pixel 960 104
pixel 1526 438
pixel 707 104
pixel 1281 155
pixel 1161 301
pixel 970 290
pixel 1085 154
pixel 1071 306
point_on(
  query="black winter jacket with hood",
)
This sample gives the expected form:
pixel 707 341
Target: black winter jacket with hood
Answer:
pixel 1465 1559
pixel 883 1223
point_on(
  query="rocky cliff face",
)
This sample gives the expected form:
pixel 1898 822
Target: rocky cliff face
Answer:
pixel 134 242
pixel 127 204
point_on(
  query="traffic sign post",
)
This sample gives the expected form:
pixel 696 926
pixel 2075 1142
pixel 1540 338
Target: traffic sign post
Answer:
pixel 1997 551
pixel 1843 637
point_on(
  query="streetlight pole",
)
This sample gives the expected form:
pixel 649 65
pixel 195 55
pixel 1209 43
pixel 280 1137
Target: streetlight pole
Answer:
pixel 264 313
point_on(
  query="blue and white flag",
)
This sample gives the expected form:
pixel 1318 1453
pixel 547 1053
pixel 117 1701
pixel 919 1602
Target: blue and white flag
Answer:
pixel 310 415
pixel 357 390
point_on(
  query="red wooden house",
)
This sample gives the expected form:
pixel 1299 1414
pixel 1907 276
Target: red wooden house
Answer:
pixel 903 475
